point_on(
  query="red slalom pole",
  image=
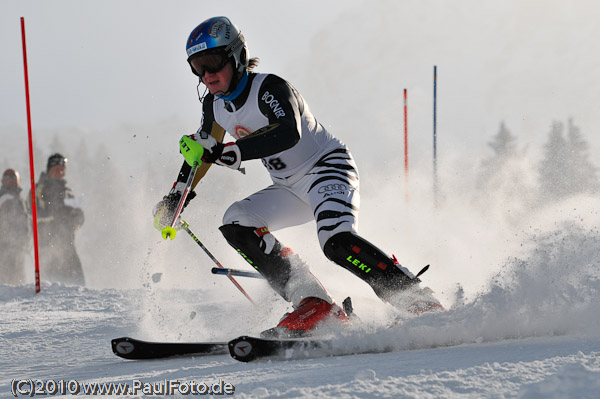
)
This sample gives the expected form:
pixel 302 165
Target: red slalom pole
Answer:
pixel 31 165
pixel 406 142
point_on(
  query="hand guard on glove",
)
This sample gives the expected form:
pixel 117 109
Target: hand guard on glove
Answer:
pixel 214 152
pixel 167 207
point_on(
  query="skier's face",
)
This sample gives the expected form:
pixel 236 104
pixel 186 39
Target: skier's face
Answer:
pixel 218 81
pixel 57 172
pixel 11 178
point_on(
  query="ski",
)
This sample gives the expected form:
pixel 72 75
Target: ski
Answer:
pixel 131 348
pixel 247 349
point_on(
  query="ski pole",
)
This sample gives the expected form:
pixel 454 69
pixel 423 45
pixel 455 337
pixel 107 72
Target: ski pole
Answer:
pixel 169 231
pixel 186 227
pixel 235 272
pixel 192 151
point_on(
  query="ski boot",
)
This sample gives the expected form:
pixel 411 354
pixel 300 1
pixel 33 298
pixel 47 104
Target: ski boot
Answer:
pixel 306 319
pixel 414 299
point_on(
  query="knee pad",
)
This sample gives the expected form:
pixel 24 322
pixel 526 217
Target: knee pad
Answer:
pixel 238 214
pixel 368 262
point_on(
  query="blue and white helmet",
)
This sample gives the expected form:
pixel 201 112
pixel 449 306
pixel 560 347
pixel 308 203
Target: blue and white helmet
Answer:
pixel 219 34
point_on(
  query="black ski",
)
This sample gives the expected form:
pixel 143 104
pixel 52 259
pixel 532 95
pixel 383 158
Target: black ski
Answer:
pixel 130 348
pixel 246 349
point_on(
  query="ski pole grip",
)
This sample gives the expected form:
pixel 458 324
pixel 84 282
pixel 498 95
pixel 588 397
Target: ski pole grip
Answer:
pixel 191 150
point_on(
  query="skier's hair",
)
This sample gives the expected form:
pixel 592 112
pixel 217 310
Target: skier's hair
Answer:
pixel 253 63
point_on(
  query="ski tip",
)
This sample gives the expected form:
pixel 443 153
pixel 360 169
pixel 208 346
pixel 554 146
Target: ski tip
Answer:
pixel 123 347
pixel 242 349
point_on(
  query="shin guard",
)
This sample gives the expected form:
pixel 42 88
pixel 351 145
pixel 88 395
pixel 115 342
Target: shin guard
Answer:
pixel 368 262
pixel 261 252
pixel 285 272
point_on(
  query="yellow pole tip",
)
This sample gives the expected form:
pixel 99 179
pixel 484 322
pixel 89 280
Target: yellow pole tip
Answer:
pixel 168 232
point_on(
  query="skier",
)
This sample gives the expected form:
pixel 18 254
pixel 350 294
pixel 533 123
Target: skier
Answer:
pixel 314 178
pixel 14 229
pixel 57 223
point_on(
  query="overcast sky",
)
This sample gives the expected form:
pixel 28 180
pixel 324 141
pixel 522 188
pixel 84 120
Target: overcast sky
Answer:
pixel 105 62
pixel 96 64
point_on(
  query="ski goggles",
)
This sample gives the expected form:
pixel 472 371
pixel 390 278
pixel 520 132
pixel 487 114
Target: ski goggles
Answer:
pixel 211 63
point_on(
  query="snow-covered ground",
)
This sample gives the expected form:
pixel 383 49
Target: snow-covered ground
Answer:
pixel 533 333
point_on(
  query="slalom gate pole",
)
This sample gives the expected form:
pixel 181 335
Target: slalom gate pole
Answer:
pixel 435 178
pixel 235 272
pixel 406 144
pixel 186 227
pixel 31 165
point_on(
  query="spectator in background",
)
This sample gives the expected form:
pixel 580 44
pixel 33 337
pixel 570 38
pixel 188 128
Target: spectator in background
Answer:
pixel 57 223
pixel 14 228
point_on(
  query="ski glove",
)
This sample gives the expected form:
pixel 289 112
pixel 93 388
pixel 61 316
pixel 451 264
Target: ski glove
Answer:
pixel 225 155
pixel 214 152
pixel 168 205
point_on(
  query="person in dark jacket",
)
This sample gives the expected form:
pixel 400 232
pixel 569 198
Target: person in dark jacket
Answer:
pixel 14 229
pixel 57 223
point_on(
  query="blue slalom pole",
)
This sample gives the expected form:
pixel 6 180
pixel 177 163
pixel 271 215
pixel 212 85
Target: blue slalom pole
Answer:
pixel 235 272
pixel 435 178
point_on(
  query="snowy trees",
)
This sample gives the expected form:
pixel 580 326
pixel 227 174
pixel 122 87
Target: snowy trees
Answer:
pixel 565 169
pixel 508 180
pixel 504 179
pixel 504 146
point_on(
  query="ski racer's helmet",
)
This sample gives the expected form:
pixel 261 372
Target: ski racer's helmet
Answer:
pixel 11 178
pixel 218 34
pixel 56 159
